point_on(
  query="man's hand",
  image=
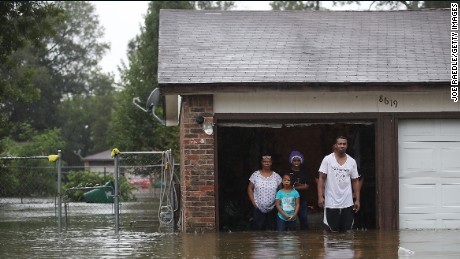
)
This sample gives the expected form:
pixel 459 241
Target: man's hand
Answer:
pixel 356 206
pixel 321 202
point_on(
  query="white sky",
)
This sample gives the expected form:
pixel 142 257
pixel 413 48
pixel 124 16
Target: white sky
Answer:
pixel 122 21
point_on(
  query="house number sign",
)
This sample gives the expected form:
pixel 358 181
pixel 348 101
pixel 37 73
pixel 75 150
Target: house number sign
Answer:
pixel 388 101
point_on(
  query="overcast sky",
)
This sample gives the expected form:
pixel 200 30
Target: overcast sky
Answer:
pixel 122 21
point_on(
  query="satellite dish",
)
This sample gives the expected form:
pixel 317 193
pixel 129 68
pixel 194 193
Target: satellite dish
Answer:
pixel 153 99
pixel 151 103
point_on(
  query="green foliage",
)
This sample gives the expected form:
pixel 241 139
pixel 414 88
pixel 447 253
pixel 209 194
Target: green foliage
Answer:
pixel 215 5
pixel 23 25
pixel 23 22
pixel 52 79
pixel 396 5
pixel 30 177
pixel 67 66
pixel 84 122
pixel 295 5
pixel 436 4
pixel 70 61
pixel 9 181
pixel 132 129
pixel 378 5
pixel 78 179
pixel 76 50
pixel 410 5
pixel 42 144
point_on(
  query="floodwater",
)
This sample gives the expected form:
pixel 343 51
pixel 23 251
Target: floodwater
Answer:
pixel 41 240
pixel 92 235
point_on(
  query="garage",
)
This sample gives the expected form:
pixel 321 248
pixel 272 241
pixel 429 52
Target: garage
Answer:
pixel 274 92
pixel 241 145
pixel 429 174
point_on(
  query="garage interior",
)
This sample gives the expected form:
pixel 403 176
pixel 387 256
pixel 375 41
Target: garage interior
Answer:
pixel 241 145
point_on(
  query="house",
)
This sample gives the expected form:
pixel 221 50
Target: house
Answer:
pixel 100 162
pixel 276 81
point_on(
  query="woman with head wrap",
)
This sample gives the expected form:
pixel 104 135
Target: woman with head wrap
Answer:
pixel 300 183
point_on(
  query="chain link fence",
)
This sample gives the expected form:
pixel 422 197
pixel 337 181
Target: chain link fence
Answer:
pixel 144 181
pixel 153 200
pixel 28 188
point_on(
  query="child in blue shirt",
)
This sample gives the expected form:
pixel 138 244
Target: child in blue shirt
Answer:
pixel 287 204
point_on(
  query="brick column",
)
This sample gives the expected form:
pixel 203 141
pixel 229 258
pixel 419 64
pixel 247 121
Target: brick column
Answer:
pixel 197 165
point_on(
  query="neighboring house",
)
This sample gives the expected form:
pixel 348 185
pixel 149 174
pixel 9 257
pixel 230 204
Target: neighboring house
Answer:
pixel 273 82
pixel 100 162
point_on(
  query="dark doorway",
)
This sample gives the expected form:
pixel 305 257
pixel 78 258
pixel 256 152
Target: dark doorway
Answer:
pixel 240 148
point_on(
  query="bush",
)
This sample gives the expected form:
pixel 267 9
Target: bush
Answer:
pixel 91 179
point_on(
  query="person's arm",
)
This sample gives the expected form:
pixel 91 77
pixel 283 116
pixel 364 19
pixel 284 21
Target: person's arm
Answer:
pixel 278 206
pixel 251 194
pixel 280 210
pixel 356 189
pixel 301 186
pixel 297 207
pixel 321 180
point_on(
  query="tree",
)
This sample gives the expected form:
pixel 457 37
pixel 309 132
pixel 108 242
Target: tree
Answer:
pixel 215 5
pixel 409 5
pixel 379 5
pixel 23 24
pixel 29 176
pixel 65 86
pixel 67 67
pixel 132 129
pixel 74 53
pixel 295 5
pixel 436 4
pixel 84 122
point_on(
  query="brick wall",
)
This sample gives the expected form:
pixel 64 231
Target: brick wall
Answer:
pixel 197 165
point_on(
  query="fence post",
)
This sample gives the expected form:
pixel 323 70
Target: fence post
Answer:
pixel 59 191
pixel 115 200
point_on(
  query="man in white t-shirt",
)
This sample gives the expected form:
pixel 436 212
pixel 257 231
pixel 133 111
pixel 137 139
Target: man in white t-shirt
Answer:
pixel 337 173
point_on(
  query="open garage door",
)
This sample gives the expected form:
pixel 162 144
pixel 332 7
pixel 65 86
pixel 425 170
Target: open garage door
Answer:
pixel 429 174
pixel 240 147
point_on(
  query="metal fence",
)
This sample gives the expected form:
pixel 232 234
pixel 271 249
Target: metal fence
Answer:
pixel 139 191
pixel 29 188
pixel 155 201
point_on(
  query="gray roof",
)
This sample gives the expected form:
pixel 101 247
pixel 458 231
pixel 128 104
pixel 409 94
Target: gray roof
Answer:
pixel 103 156
pixel 235 47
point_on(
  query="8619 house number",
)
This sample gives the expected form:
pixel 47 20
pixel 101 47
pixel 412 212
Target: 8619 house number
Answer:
pixel 388 101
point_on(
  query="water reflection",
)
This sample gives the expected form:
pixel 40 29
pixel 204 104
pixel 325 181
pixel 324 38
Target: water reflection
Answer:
pixel 288 245
pixel 40 240
pixel 264 245
pixel 338 245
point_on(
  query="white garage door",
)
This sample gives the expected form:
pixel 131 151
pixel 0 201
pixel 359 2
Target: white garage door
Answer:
pixel 429 174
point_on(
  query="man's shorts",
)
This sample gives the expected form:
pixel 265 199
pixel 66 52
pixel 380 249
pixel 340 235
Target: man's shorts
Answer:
pixel 338 220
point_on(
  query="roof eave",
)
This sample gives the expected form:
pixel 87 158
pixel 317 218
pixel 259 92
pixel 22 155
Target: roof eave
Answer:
pixel 210 88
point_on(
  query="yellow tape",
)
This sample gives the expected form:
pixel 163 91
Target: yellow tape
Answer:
pixel 53 158
pixel 115 152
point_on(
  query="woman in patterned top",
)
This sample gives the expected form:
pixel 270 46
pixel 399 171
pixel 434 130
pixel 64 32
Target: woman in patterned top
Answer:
pixel 262 188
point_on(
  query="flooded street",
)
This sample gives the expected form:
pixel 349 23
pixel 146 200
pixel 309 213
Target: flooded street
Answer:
pixel 28 231
pixel 40 240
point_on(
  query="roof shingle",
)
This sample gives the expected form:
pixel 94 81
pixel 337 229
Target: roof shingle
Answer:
pixel 212 47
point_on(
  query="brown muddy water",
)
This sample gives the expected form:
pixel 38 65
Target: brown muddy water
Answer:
pixel 41 240
pixel 93 236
